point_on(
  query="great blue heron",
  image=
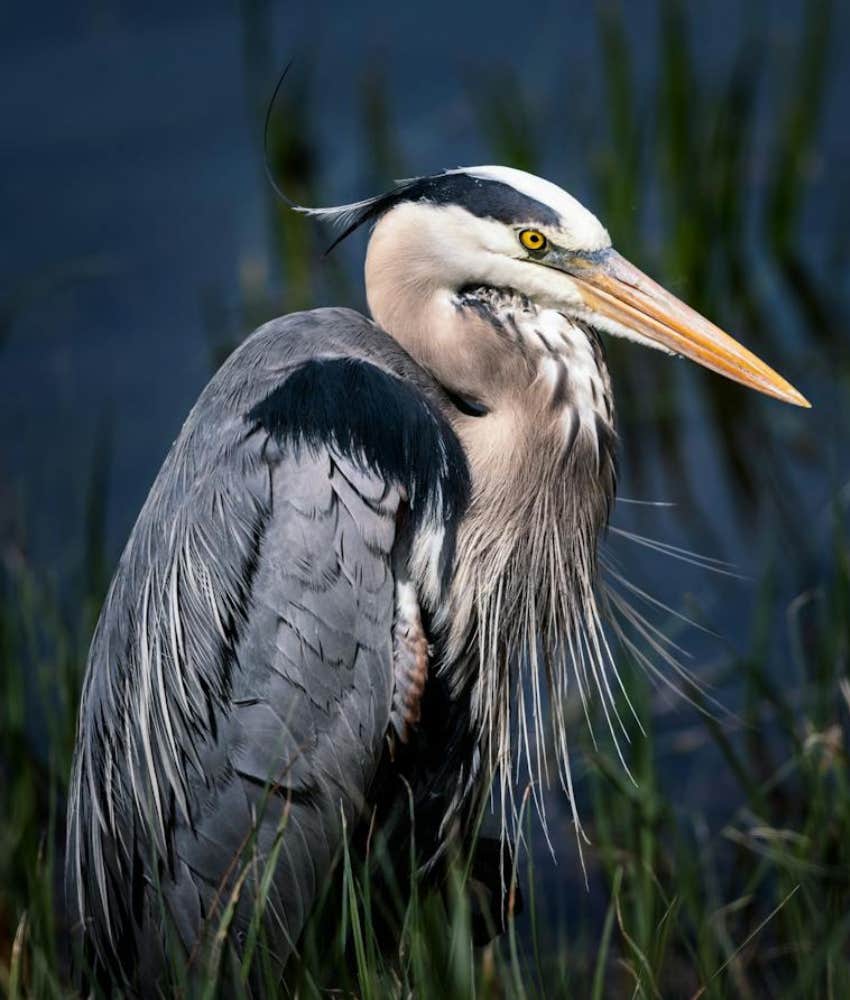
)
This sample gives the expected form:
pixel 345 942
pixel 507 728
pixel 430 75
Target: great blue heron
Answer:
pixel 370 539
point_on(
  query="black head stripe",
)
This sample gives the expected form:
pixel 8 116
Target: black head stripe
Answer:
pixel 482 196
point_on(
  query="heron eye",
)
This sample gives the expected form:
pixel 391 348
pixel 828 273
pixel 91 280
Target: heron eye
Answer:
pixel 532 239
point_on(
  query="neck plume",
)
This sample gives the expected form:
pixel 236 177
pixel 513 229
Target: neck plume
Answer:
pixel 522 624
pixel 524 611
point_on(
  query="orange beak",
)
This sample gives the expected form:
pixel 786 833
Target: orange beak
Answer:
pixel 613 288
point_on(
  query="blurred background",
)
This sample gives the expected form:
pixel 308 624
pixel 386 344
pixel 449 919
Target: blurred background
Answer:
pixel 140 242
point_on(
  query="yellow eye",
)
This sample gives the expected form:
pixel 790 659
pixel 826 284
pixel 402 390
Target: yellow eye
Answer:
pixel 532 239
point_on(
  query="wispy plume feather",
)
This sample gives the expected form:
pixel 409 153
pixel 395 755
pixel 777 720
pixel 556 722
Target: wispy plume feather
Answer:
pixel 526 627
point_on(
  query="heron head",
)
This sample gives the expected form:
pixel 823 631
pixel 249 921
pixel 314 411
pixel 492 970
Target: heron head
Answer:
pixel 504 228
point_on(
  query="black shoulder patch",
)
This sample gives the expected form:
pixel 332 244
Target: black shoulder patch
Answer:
pixel 380 421
pixel 482 196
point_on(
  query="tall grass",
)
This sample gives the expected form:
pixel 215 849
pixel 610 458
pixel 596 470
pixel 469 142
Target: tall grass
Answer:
pixel 743 893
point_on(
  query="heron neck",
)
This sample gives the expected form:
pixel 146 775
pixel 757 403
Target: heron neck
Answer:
pixel 542 452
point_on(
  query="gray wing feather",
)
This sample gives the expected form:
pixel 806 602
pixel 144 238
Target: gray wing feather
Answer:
pixel 240 679
pixel 310 701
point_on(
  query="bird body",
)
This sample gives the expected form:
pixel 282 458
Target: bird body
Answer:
pixel 371 544
pixel 242 669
